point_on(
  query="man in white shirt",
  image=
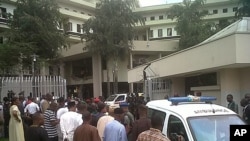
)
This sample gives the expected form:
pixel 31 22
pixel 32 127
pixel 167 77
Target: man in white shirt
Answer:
pixel 59 113
pixel 31 108
pixel 69 121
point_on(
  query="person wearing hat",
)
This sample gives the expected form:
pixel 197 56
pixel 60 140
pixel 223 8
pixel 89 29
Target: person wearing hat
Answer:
pixel 128 119
pixel 114 130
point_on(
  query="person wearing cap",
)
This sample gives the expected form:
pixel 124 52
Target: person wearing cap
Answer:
pixel 69 121
pixel 114 130
pixel 128 119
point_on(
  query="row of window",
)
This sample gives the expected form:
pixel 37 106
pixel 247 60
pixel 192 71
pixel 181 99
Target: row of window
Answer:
pixel 161 17
pixel 225 10
pixel 160 32
pixel 77 11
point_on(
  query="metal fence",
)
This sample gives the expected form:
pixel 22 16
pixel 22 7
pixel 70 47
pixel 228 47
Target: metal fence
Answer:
pixel 157 88
pixel 33 86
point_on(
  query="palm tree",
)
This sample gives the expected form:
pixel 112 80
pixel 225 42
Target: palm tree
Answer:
pixel 110 32
pixel 244 9
pixel 190 25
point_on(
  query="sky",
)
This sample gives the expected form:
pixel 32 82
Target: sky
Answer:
pixel 157 2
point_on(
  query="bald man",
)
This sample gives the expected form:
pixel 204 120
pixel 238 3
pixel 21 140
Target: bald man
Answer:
pixel 35 132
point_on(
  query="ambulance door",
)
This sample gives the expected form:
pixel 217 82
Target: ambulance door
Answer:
pixel 176 129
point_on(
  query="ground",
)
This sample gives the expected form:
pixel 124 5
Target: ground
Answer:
pixel 3 139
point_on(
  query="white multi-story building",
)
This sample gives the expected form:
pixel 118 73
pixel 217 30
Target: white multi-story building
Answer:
pixel 85 73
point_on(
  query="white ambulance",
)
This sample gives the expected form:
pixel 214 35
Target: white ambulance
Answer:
pixel 194 118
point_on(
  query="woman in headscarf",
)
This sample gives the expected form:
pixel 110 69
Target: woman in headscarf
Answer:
pixel 16 132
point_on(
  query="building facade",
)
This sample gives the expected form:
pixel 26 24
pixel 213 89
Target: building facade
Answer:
pixel 86 74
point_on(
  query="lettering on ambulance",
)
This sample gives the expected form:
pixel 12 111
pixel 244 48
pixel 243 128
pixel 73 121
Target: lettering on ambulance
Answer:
pixel 210 111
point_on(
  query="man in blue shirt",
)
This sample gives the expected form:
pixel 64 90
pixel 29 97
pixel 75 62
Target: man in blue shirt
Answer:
pixel 114 130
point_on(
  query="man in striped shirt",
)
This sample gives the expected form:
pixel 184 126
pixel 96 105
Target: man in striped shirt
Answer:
pixel 50 122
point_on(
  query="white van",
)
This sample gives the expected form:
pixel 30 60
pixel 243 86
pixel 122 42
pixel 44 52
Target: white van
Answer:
pixel 186 118
pixel 114 100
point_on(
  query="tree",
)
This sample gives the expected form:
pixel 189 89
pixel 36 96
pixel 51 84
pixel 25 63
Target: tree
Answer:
pixel 8 58
pixel 34 29
pixel 110 31
pixel 190 25
pixel 244 9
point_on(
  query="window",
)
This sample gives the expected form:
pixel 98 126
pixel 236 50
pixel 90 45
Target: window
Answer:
pixel 156 112
pixel 79 28
pixel 169 31
pixel 224 10
pixel 145 18
pixel 3 12
pixel 89 14
pixel 213 127
pixel 161 17
pixel 75 11
pixel 66 8
pixel 151 33
pixel 235 9
pixel 82 12
pixel 69 26
pixel 152 18
pixel 60 25
pixel 215 11
pixel 159 32
pixel 176 128
pixel 120 98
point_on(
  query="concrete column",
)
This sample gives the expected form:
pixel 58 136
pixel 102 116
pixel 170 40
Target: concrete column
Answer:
pixel 230 84
pixel 62 69
pixel 97 75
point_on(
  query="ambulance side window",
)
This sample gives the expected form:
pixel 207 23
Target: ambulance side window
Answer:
pixel 120 98
pixel 176 129
pixel 156 112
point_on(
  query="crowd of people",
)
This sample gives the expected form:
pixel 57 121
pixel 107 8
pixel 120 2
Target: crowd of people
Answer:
pixel 73 119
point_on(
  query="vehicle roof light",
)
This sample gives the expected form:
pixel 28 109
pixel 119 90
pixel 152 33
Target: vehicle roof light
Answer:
pixel 192 99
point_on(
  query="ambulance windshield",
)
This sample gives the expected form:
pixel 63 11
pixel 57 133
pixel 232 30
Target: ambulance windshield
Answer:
pixel 213 128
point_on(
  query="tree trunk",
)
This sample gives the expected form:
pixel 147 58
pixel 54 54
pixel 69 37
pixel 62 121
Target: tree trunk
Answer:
pixel 115 77
pixel 108 80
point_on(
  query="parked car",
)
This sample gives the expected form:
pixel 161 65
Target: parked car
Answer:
pixel 114 100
